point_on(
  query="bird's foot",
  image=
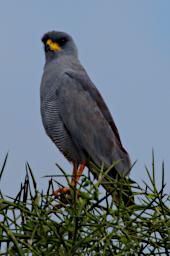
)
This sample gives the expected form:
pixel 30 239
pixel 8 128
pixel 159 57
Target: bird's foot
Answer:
pixel 64 191
pixel 58 192
pixel 64 196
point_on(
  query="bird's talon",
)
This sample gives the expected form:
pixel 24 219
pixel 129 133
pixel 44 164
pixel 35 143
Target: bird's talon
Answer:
pixel 58 192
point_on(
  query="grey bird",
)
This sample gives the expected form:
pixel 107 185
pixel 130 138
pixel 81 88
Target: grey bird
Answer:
pixel 74 114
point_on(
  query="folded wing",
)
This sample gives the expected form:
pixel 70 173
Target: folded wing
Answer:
pixel 90 123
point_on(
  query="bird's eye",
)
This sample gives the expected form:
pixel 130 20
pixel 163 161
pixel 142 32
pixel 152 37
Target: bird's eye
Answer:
pixel 62 41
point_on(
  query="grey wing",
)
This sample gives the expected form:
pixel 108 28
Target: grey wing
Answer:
pixel 87 124
pixel 95 94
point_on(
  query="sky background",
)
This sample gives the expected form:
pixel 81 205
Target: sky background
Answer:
pixel 125 48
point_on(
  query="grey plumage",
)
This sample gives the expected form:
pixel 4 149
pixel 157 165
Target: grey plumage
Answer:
pixel 74 113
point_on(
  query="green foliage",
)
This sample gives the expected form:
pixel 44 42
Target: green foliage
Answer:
pixel 85 222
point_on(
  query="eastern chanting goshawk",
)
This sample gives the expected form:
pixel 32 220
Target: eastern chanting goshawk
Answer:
pixel 74 114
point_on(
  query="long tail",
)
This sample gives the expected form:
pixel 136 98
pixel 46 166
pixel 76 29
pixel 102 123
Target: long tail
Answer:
pixel 115 184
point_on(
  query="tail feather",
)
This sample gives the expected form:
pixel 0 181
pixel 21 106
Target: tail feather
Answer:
pixel 115 184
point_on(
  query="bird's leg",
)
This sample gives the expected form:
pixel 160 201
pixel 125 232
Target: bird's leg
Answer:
pixel 77 172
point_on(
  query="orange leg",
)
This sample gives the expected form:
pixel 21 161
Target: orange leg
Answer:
pixel 77 173
pixel 76 176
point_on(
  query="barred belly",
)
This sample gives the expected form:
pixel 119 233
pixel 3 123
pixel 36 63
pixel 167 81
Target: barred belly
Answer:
pixel 56 130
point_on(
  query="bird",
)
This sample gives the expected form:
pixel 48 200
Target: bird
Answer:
pixel 74 113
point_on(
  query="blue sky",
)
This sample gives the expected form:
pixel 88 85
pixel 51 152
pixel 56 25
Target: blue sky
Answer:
pixel 125 48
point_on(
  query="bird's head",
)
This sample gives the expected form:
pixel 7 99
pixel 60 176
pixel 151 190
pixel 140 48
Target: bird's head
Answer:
pixel 58 43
